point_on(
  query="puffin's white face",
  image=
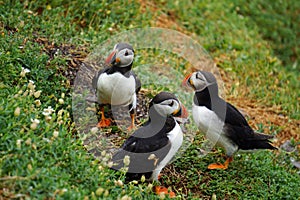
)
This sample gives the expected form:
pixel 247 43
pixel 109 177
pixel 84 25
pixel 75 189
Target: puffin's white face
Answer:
pixel 124 57
pixel 168 107
pixel 198 81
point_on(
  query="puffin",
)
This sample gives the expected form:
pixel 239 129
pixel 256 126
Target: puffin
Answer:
pixel 222 123
pixel 152 146
pixel 117 84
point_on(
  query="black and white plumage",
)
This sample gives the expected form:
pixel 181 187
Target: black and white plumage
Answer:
pixel 222 123
pixel 117 84
pixel 152 146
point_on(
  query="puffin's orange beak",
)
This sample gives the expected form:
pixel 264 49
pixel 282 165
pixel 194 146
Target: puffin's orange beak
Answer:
pixel 184 112
pixel 186 80
pixel 111 58
pixel 118 60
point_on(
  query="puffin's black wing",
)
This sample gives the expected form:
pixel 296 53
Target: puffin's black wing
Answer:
pixel 239 131
pixel 145 155
pixel 234 117
pixel 145 152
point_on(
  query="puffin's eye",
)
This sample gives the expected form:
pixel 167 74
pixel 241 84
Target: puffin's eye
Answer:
pixel 171 104
pixel 126 53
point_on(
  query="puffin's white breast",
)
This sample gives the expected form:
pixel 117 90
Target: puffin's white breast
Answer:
pixel 213 127
pixel 175 137
pixel 116 89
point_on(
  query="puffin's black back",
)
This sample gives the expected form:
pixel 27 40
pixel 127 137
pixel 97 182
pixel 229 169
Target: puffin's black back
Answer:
pixel 139 147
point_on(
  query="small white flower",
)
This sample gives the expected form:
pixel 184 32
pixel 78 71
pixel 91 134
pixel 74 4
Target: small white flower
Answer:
pixel 38 103
pixel 100 167
pixel 119 183
pixel 106 193
pixel 60 112
pixel 34 124
pixel 162 195
pixel 17 111
pixel 55 134
pixel 99 191
pixel 126 197
pixel 45 113
pixel 28 141
pixel 31 85
pixel 214 197
pixel 62 95
pixel 143 178
pixel 151 157
pixel 29 167
pixel 48 111
pixel 37 94
pixel 126 160
pixel 19 141
pixel 150 186
pixel 110 164
pixel 103 153
pixel 35 121
pixel 31 92
pixel 22 74
pixel 34 146
pixel 24 71
pixel 61 101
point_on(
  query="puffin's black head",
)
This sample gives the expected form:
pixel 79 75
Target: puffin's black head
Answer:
pixel 200 80
pixel 121 56
pixel 166 104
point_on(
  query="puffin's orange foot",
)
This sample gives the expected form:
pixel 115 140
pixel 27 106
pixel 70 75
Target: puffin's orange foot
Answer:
pixel 131 127
pixel 217 166
pixel 162 190
pixel 104 123
pixel 221 166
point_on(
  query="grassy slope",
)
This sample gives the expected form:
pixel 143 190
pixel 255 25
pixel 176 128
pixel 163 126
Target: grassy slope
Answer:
pixel 37 164
pixel 236 43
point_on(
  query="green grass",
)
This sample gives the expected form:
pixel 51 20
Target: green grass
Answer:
pixel 259 175
pixel 38 163
pixel 236 31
